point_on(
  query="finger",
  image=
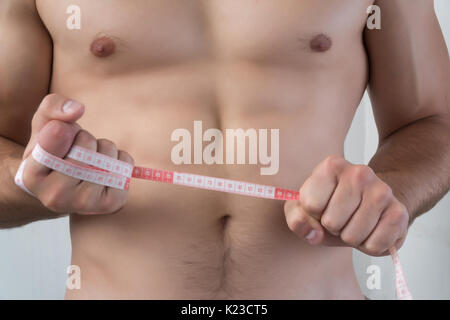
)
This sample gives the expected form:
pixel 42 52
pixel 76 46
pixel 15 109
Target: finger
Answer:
pixel 83 139
pixel 401 240
pixel 56 138
pixel 88 193
pixel 58 191
pixel 319 187
pixel 114 198
pixel 125 156
pixel 342 205
pixel 303 225
pixel 56 195
pixel 376 199
pixel 391 227
pixel 107 148
pixel 91 196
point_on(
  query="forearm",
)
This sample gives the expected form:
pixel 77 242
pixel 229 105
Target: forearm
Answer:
pixel 415 162
pixel 17 208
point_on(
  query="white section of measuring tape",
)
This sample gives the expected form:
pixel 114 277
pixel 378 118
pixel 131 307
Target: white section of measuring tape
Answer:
pixel 115 173
pixel 100 161
pixel 18 179
pixel 77 171
pixel 103 162
pixel 224 185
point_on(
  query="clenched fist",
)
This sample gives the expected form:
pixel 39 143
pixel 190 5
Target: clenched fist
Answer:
pixel 342 204
pixel 54 127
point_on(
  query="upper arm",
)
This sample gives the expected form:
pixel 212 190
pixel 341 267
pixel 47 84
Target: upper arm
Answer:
pixel 25 66
pixel 409 65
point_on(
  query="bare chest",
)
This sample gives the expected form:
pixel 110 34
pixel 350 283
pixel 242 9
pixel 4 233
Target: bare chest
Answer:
pixel 156 32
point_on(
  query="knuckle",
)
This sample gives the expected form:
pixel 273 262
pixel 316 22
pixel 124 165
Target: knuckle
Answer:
pixel 83 201
pixel 45 106
pixel 49 100
pixel 350 239
pixel 398 215
pixel 110 204
pixel 305 189
pixel 382 193
pixel 330 224
pixel 287 206
pixel 106 144
pixel 374 249
pixel 85 138
pixel 296 222
pixel 58 129
pixel 310 205
pixel 125 156
pixel 34 119
pixel 52 200
pixel 361 174
pixel 331 164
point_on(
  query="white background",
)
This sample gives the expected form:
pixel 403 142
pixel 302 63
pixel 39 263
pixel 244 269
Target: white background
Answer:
pixel 34 258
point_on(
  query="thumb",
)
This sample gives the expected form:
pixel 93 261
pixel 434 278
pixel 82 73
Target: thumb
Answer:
pixel 53 107
pixel 302 224
pixel 56 107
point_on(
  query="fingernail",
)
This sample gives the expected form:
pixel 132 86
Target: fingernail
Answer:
pixel 311 235
pixel 71 106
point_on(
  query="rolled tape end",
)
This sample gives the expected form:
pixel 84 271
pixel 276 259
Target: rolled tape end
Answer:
pixel 18 179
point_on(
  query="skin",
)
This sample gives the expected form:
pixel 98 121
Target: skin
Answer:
pixel 158 66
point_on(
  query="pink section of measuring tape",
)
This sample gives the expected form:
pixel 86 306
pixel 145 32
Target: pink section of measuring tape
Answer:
pixel 117 167
pixel 103 170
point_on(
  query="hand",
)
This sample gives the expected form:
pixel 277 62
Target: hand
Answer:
pixel 342 204
pixel 54 127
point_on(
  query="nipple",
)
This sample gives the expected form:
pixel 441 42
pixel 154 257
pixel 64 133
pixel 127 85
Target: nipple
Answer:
pixel 103 47
pixel 320 43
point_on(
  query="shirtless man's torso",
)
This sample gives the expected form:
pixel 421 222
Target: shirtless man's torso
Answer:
pixel 144 68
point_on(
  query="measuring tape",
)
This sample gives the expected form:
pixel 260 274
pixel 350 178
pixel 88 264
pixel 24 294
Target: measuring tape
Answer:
pixel 103 170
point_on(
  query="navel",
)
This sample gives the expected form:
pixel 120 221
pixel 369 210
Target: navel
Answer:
pixel 103 47
pixel 320 43
pixel 224 221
